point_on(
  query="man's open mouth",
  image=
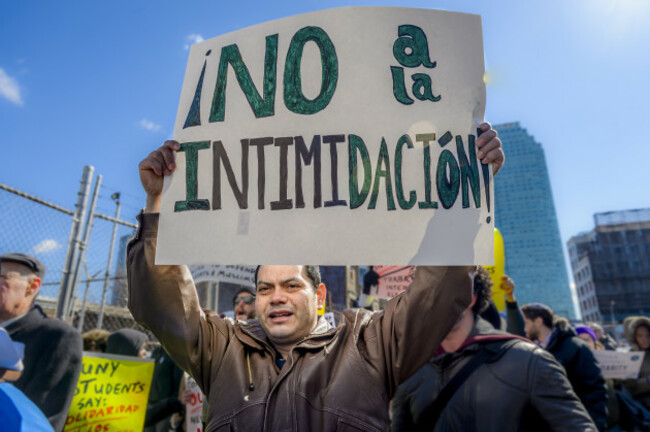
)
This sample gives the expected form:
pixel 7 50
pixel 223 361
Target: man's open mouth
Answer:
pixel 280 316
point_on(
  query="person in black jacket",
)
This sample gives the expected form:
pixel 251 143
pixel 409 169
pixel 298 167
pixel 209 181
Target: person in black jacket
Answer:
pixel 52 348
pixel 557 337
pixel 519 386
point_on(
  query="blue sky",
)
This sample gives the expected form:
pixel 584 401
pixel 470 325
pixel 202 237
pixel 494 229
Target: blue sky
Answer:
pixel 97 83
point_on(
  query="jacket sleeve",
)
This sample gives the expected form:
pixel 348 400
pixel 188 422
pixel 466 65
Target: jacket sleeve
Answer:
pixel 515 319
pixel 164 299
pixel 553 398
pixel 399 340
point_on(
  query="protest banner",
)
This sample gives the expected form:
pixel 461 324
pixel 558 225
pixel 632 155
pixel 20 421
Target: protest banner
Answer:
pixel 392 280
pixel 111 394
pixel 235 274
pixel 620 365
pixel 193 409
pixel 497 271
pixel 343 136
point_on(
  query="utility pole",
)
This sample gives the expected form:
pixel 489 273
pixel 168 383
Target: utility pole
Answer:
pixel 65 291
pixel 100 321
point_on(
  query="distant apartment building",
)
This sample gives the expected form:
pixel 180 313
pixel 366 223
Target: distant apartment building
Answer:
pixel 611 266
pixel 525 215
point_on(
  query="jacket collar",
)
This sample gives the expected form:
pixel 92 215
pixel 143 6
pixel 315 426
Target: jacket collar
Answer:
pixel 481 333
pixel 252 334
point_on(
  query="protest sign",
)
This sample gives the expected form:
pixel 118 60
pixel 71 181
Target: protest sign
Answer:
pixel 112 394
pixel 235 274
pixel 392 280
pixel 193 409
pixel 620 365
pixel 343 136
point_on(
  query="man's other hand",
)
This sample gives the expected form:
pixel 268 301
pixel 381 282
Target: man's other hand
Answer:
pixel 153 169
pixel 489 146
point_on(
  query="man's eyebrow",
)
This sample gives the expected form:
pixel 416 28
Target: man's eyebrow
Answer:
pixel 293 279
pixel 283 282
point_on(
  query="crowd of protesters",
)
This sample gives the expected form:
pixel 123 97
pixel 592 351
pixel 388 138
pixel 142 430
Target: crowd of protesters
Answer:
pixel 523 369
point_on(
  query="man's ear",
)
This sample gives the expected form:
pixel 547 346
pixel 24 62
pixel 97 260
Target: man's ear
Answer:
pixel 33 287
pixel 471 305
pixel 321 293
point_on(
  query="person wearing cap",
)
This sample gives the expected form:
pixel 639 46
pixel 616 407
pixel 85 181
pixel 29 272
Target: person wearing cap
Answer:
pixel 556 335
pixel 244 304
pixel 52 348
pixel 17 412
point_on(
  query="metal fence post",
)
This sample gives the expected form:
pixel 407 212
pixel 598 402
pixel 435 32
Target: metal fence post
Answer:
pixel 82 314
pixel 100 319
pixel 84 242
pixel 65 293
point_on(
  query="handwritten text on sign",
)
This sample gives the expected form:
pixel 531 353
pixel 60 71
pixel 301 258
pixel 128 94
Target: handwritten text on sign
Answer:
pixel 320 130
pixel 112 394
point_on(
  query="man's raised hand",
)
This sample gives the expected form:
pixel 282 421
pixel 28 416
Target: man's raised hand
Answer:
pixel 153 168
pixel 490 149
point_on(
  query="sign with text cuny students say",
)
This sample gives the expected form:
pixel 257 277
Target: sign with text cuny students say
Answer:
pixel 344 136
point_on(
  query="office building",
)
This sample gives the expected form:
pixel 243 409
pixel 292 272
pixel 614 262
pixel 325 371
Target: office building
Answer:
pixel 525 215
pixel 611 266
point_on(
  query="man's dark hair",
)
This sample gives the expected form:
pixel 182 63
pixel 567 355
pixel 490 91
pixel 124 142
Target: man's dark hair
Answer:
pixel 482 290
pixel 312 271
pixel 532 311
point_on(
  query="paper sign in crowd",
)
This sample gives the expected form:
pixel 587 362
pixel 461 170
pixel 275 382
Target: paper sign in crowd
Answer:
pixel 193 409
pixel 343 136
pixel 111 395
pixel 620 365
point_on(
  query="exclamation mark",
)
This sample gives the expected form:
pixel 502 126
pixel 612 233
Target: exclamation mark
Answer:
pixel 486 180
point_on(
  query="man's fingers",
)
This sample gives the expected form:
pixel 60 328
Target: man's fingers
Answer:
pixel 168 157
pixel 486 137
pixel 153 163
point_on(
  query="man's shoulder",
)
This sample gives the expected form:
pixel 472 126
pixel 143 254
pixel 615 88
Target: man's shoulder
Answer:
pixel 37 324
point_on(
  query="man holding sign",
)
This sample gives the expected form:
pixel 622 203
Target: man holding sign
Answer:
pixel 254 374
pixel 289 370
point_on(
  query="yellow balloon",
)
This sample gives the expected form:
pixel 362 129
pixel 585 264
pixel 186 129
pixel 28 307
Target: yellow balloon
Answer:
pixel 497 271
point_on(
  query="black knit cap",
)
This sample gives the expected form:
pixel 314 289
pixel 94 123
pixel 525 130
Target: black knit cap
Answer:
pixel 30 262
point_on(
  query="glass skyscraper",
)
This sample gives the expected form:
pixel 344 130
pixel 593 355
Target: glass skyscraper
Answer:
pixel 525 215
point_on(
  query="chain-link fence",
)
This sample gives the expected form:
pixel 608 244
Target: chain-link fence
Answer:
pixel 97 298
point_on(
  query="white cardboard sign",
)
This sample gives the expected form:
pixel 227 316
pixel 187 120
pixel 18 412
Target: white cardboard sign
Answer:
pixel 343 136
pixel 620 365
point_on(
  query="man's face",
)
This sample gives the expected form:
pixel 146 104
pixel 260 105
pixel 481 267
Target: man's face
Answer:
pixel 245 306
pixel 17 290
pixel 532 329
pixel 287 303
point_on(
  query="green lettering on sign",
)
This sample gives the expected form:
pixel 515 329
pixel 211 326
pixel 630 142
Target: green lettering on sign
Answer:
pixel 262 107
pixel 294 99
pixel 191 150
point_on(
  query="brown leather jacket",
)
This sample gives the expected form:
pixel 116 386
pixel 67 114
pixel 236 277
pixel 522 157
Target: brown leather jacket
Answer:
pixel 338 379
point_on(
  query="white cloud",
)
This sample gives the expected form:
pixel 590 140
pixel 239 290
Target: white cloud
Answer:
pixel 149 125
pixel 46 246
pixel 9 89
pixel 192 39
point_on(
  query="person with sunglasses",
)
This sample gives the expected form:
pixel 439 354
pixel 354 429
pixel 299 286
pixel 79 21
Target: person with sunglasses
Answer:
pixel 243 303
